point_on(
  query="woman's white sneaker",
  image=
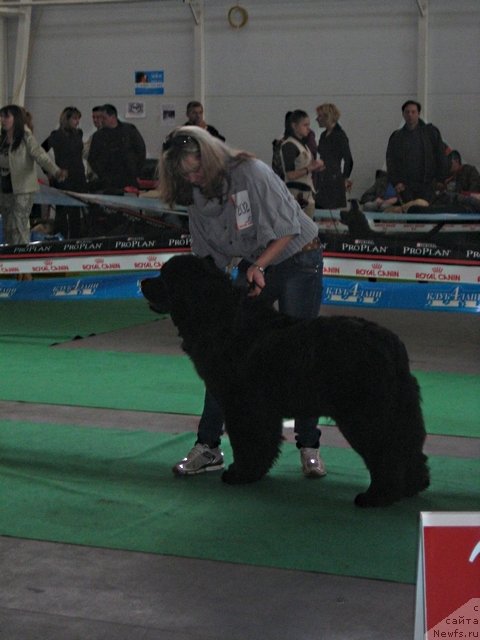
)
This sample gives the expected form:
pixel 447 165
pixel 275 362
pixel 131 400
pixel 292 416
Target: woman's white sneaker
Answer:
pixel 198 460
pixel 312 464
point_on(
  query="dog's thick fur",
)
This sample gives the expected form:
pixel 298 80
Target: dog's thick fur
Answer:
pixel 262 366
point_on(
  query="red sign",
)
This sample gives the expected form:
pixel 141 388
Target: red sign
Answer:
pixel 448 585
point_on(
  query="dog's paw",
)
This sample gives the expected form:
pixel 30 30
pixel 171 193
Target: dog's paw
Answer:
pixel 233 476
pixel 415 485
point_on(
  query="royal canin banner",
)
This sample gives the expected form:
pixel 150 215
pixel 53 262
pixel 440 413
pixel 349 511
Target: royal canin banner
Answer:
pixel 380 259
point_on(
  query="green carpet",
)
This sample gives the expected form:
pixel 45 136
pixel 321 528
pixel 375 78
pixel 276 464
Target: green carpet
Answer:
pixel 169 384
pixel 30 371
pixel 115 489
pixel 43 322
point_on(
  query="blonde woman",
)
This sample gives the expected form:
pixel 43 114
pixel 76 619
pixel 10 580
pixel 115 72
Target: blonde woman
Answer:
pixel 240 209
pixel 334 149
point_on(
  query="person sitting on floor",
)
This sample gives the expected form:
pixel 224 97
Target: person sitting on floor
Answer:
pixel 381 195
pixel 463 177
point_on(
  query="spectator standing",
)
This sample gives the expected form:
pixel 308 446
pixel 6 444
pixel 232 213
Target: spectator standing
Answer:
pixel 117 153
pixel 416 158
pixel 333 182
pixel 298 161
pixel 277 164
pixel 19 154
pixel 241 210
pixel 196 119
pixel 67 145
pixel 97 119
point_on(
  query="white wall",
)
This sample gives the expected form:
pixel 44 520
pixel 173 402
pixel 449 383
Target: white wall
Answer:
pixel 359 54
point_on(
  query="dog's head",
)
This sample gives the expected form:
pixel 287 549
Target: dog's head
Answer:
pixel 183 278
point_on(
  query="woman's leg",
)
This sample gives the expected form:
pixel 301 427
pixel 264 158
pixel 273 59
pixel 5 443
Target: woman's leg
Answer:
pixel 210 427
pixel 205 454
pixel 18 219
pixel 298 283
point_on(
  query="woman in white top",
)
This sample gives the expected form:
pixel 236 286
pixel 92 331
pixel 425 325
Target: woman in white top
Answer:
pixel 298 161
pixel 19 155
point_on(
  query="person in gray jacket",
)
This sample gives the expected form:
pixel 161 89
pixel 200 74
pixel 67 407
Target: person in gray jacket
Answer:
pixel 240 210
pixel 19 154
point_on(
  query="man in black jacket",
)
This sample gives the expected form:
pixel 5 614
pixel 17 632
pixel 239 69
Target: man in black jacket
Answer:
pixel 195 118
pixel 117 153
pixel 416 157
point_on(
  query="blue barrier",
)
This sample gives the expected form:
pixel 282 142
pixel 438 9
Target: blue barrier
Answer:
pixel 423 296
pixel 111 287
pixel 458 298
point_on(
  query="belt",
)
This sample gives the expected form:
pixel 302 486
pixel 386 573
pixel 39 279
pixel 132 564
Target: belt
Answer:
pixel 310 246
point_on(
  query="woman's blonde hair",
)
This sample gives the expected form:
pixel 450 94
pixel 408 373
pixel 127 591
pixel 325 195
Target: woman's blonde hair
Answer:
pixel 216 158
pixel 65 116
pixel 330 112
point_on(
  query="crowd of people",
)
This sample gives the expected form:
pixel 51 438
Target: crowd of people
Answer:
pixel 421 170
pixel 423 174
pixel 318 175
pixel 108 162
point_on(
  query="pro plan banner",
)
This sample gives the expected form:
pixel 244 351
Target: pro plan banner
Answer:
pixel 448 582
pixel 372 259
pixel 93 255
pixel 402 259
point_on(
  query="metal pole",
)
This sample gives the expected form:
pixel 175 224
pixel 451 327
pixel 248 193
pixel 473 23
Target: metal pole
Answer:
pixel 422 56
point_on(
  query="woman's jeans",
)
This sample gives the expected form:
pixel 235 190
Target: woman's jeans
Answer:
pixel 296 285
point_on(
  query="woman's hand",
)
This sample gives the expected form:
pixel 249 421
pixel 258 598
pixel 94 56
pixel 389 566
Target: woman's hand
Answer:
pixel 317 165
pixel 255 273
pixel 256 280
pixel 61 175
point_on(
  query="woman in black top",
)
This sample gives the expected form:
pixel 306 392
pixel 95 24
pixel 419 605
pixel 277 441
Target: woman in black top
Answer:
pixel 67 145
pixel 334 149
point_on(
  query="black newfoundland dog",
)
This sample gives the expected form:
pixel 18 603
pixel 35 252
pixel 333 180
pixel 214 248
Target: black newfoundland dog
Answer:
pixel 263 366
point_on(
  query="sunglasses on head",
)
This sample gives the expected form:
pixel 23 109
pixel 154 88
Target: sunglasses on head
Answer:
pixel 178 141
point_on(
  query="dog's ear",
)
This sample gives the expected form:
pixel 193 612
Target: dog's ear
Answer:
pixel 155 291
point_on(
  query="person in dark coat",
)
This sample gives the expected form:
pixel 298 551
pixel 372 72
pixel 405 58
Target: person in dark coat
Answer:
pixel 117 153
pixel 67 145
pixel 416 158
pixel 334 181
